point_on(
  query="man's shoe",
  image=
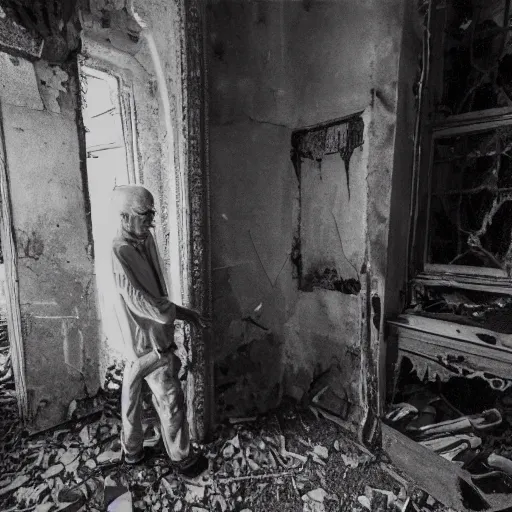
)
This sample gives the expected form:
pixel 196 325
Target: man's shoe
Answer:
pixel 134 459
pixel 192 466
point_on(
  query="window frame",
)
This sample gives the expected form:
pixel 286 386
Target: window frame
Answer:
pixel 479 278
pixel 92 66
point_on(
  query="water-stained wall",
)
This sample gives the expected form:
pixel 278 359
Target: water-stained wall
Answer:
pixel 50 230
pixel 274 68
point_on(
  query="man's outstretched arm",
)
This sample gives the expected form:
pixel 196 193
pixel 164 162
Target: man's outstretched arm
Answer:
pixel 190 315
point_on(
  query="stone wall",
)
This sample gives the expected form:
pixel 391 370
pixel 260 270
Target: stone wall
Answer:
pixel 276 67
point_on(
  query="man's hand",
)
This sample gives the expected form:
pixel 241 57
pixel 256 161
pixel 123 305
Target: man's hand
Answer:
pixel 199 320
pixel 192 316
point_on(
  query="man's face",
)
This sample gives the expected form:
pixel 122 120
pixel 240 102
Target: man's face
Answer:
pixel 139 219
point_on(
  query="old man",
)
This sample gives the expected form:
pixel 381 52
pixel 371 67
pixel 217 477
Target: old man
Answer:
pixel 146 317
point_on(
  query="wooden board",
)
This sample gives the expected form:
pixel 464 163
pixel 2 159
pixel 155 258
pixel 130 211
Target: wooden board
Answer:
pixel 11 283
pixel 467 333
pixel 435 475
pixel 443 480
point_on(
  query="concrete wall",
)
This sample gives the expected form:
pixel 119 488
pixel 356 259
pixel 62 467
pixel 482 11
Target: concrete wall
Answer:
pixel 55 268
pixel 275 67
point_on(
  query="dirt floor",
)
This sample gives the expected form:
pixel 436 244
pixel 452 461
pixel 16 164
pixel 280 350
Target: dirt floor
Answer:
pixel 288 460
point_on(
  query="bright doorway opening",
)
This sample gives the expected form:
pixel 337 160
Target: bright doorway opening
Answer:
pixel 109 151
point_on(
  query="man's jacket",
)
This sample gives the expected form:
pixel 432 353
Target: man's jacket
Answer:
pixel 145 314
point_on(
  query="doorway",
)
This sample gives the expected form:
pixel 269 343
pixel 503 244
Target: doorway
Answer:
pixel 109 164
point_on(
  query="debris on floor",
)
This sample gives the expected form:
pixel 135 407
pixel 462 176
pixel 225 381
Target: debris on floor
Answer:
pixel 8 400
pixel 475 435
pixel 288 461
pixel 467 307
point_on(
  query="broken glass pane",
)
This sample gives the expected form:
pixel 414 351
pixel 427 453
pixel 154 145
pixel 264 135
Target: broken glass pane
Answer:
pixel 471 199
pixel 477 56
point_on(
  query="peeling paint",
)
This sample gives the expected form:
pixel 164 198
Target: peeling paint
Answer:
pixel 18 83
pixel 328 279
pixel 491 340
pixel 341 137
pixel 29 245
pixel 56 23
pixel 16 40
pixel 51 81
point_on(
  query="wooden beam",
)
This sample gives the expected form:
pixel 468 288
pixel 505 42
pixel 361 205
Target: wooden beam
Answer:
pixel 14 326
pixel 500 343
pixel 477 283
pixel 442 479
pixel 456 270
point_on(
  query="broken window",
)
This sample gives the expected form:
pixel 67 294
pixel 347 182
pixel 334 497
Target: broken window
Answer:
pixel 471 200
pixel 467 139
pixel 476 54
pixel 451 392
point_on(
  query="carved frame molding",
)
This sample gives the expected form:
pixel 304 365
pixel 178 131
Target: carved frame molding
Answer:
pixel 200 383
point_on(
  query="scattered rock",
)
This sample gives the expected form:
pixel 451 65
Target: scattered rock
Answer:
pixel 365 502
pixel 194 494
pixel 109 456
pixel 15 484
pixel 314 500
pixel 322 452
pixel 53 471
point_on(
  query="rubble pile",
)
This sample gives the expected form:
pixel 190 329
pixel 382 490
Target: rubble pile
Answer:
pixel 479 442
pixel 289 461
pixel 488 310
pixel 8 400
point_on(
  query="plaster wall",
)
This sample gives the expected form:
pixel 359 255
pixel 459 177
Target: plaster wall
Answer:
pixel 55 268
pixel 275 67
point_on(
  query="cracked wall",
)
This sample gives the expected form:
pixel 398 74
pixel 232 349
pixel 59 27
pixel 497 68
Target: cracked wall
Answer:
pixel 275 67
pixel 55 269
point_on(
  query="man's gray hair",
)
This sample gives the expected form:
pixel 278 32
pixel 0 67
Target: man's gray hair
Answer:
pixel 125 197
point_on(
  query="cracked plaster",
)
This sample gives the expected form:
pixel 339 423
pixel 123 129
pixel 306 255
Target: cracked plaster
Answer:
pixel 297 53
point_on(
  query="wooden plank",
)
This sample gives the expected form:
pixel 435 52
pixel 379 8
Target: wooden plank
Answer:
pixel 435 475
pixel 442 479
pixel 501 343
pixel 477 364
pixel 485 123
pixel 463 269
pixel 14 325
pixel 460 282
pixel 433 346
pixel 474 118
